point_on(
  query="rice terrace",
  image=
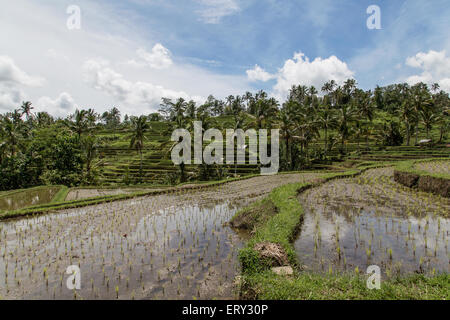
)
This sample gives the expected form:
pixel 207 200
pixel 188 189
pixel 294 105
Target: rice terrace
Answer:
pixel 301 184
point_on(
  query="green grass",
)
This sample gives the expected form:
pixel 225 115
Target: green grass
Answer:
pixel 409 167
pixel 61 195
pixel 310 286
pixel 259 282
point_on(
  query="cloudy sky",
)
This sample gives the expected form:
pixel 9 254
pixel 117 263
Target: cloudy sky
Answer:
pixel 131 53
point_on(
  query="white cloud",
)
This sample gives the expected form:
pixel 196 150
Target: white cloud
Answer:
pixel 59 54
pixel 10 73
pixel 100 75
pixel 60 106
pixel 10 98
pixel 52 53
pixel 300 70
pixel 159 58
pixel 215 10
pixel 259 74
pixel 435 66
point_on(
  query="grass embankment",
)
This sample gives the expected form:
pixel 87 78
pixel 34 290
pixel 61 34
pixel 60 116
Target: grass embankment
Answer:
pixel 61 194
pixel 258 281
pixel 409 175
pixel 58 204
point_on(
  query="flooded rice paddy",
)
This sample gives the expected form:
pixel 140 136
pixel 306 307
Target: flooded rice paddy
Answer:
pixel 26 198
pixel 371 220
pixel 174 246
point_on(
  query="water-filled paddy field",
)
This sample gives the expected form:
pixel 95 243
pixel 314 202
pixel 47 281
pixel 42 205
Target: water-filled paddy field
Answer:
pixel 26 198
pixel 350 224
pixel 174 246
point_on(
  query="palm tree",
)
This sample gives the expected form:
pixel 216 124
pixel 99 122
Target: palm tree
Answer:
pixel 286 123
pixel 25 109
pixel 442 104
pixel 44 119
pixel 191 110
pixel 327 120
pixel 235 107
pixel 139 127
pixel 428 117
pixel 173 110
pixel 11 134
pixel 365 106
pixel 78 122
pixel 345 115
pixel 408 116
pixel 111 118
pixel 89 145
pixel 264 110
pixel 421 102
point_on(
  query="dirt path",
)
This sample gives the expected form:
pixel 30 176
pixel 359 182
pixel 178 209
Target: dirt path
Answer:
pixel 173 246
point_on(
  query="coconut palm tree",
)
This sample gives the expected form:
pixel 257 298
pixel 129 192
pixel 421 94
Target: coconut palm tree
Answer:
pixel 264 110
pixel 422 104
pixel 11 134
pixel 442 105
pixel 191 110
pixel 286 121
pixel 78 122
pixel 139 127
pixel 365 109
pixel 44 119
pixel 173 110
pixel 25 109
pixel 345 114
pixel 90 146
pixel 327 121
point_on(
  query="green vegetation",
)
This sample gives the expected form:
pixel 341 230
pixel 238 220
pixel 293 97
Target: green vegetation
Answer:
pixel 411 167
pixel 345 123
pixel 309 286
pixel 340 133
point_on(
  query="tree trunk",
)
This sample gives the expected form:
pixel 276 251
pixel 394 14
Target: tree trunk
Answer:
pixel 182 178
pixel 287 151
pixel 140 167
pixel 367 140
pixel 326 142
pixel 408 134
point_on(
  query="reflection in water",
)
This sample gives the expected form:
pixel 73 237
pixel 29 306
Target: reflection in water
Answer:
pixel 28 198
pixel 371 220
pixel 176 252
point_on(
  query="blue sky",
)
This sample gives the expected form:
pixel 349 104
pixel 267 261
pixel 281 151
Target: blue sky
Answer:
pixel 130 53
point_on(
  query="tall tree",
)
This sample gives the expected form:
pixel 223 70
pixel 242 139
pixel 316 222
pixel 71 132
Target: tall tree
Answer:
pixel 139 127
pixel 365 107
pixel 26 108
pixel 327 121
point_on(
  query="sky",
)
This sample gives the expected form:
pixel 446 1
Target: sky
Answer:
pixel 63 55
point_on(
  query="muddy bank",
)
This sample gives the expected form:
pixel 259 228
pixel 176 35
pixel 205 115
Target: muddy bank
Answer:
pixel 438 186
